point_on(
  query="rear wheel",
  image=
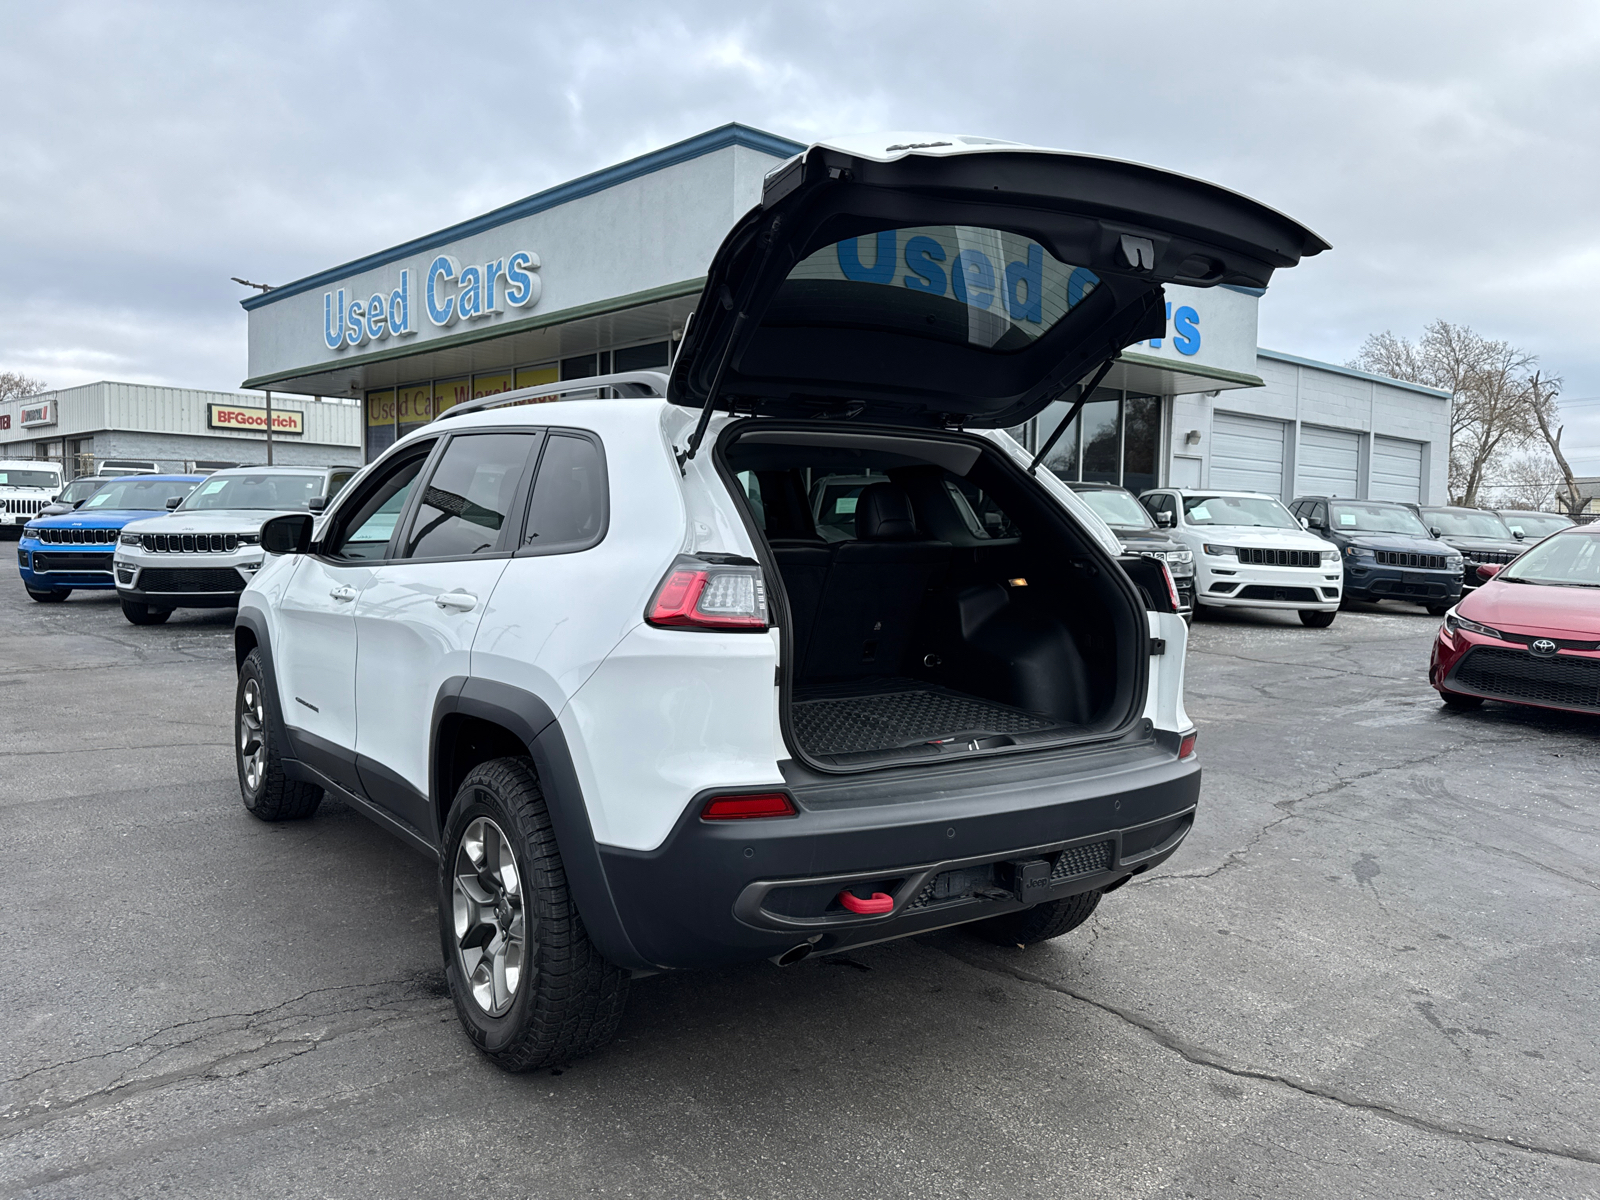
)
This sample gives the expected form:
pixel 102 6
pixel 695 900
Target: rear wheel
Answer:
pixel 50 595
pixel 258 748
pixel 529 986
pixel 1459 702
pixel 143 614
pixel 1316 618
pixel 1039 923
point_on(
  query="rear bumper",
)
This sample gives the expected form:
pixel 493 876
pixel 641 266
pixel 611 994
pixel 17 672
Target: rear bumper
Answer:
pixel 728 891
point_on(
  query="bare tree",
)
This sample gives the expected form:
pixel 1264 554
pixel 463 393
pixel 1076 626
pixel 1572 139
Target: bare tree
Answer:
pixel 1544 393
pixel 14 386
pixel 1491 410
pixel 1529 481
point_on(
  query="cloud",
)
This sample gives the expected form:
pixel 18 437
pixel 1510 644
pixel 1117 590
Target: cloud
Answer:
pixel 153 151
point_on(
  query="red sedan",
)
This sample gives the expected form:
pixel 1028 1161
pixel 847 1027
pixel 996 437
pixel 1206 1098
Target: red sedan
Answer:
pixel 1531 633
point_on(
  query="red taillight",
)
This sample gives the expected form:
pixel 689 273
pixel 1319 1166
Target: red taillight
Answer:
pixel 1186 746
pixel 698 595
pixel 740 808
pixel 1172 588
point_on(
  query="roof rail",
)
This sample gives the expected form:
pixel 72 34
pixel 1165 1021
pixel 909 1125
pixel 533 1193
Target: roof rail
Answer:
pixel 626 385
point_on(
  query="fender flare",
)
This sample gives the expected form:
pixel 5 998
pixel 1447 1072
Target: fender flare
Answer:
pixel 530 720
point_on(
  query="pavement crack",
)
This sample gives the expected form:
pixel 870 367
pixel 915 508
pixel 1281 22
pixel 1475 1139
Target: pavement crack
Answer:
pixel 1202 1056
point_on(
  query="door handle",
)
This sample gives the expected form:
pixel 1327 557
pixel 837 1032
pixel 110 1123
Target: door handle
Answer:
pixel 460 601
pixel 343 593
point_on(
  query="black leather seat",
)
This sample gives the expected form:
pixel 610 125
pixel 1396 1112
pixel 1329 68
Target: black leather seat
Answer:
pixel 803 558
pixel 873 596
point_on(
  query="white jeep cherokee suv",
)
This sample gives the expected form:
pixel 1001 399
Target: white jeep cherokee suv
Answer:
pixel 1250 552
pixel 597 657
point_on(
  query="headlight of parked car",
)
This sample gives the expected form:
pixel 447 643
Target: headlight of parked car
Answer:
pixel 1330 556
pixel 129 539
pixel 1454 623
pixel 249 539
pixel 1356 552
pixel 1219 551
pixel 1454 562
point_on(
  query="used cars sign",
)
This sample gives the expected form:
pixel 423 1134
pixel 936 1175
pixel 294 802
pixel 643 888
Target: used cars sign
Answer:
pixel 254 420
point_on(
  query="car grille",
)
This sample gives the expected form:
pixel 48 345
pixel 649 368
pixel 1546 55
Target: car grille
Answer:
pixel 1396 587
pixel 1528 639
pixel 190 543
pixel 1491 556
pixel 1394 558
pixel 1518 675
pixel 1257 557
pixel 1265 591
pixel 75 537
pixel 23 507
pixel 1082 860
pixel 68 561
pixel 190 579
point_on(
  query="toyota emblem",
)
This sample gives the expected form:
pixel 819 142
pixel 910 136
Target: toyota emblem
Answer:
pixel 1544 647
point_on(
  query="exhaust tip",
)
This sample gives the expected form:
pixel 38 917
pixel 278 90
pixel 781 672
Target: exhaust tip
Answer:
pixel 793 955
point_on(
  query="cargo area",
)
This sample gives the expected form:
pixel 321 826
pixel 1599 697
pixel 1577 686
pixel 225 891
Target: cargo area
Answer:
pixel 937 601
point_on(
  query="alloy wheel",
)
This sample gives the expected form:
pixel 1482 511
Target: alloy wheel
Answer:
pixel 490 917
pixel 252 736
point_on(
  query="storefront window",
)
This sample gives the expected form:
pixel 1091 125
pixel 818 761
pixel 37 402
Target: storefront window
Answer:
pixel 1102 437
pixel 1141 441
pixel 447 393
pixel 380 423
pixel 490 385
pixel 534 376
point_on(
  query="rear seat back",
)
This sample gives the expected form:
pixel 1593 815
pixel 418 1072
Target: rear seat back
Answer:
pixel 872 597
pixel 803 558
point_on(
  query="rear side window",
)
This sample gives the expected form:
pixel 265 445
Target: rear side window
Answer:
pixel 567 510
pixel 466 500
pixel 981 515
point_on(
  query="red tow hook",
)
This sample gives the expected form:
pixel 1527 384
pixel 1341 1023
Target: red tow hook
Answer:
pixel 881 902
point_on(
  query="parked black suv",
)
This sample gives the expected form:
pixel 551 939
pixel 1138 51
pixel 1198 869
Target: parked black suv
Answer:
pixel 1388 553
pixel 1480 535
pixel 1130 521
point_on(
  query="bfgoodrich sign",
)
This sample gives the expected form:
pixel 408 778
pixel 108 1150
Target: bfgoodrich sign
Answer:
pixel 254 420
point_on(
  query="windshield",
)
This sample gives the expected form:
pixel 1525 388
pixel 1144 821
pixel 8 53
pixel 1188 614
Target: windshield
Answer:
pixel 1567 560
pixel 1457 522
pixel 1536 525
pixel 1376 518
pixel 281 492
pixel 12 477
pixel 954 283
pixel 137 492
pixel 80 489
pixel 1261 511
pixel 1117 508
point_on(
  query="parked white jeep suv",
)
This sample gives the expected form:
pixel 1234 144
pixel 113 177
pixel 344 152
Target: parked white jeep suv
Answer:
pixel 598 658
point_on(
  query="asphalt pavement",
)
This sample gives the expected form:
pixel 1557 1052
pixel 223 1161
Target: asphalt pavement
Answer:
pixel 1373 970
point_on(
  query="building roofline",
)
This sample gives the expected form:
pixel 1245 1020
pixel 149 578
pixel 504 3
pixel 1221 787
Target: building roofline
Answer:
pixel 732 134
pixel 1279 356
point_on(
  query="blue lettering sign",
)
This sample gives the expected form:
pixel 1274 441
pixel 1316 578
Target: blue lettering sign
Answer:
pixel 441 310
pixel 922 253
pixel 882 268
pixel 522 288
pixel 355 332
pixel 972 275
pixel 1025 287
pixel 470 301
pixel 1186 339
pixel 400 307
pixel 333 320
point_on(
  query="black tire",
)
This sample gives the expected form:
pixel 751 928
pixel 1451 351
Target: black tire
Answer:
pixel 1460 703
pixel 1039 923
pixel 267 792
pixel 1315 618
pixel 568 999
pixel 50 595
pixel 143 614
pixel 1438 610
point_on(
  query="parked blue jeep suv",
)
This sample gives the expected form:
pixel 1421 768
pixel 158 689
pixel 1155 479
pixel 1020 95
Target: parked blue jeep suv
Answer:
pixel 58 555
pixel 1388 553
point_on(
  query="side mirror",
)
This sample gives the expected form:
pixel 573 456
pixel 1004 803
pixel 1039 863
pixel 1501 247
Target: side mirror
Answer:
pixel 317 503
pixel 77 504
pixel 1166 520
pixel 173 502
pixel 1433 531
pixel 1518 534
pixel 287 535
pixel 1305 522
pixel 1488 570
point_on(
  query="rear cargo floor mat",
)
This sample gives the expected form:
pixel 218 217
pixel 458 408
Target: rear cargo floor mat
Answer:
pixel 887 720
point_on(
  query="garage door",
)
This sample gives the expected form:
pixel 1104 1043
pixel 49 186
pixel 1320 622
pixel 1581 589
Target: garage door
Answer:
pixel 1330 462
pixel 1396 469
pixel 1246 454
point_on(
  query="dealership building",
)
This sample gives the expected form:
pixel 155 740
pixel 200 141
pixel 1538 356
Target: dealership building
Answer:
pixel 600 274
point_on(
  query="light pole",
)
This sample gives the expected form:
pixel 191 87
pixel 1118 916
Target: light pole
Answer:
pixel 269 429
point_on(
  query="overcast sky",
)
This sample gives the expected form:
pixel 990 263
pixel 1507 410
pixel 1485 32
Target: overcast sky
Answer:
pixel 1448 151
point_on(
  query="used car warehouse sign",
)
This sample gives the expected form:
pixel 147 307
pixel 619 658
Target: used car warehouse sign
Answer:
pixel 450 293
pixel 254 420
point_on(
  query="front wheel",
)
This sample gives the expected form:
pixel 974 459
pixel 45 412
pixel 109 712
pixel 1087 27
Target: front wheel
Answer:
pixel 143 614
pixel 258 750
pixel 1460 703
pixel 529 986
pixel 50 595
pixel 1039 923
pixel 1438 610
pixel 1316 618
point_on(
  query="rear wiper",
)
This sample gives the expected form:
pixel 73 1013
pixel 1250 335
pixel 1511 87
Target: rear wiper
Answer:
pixel 1084 392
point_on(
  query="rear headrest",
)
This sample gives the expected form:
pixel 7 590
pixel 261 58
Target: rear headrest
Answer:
pixel 884 514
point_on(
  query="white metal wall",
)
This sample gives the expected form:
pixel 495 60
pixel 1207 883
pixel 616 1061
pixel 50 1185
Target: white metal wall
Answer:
pixel 1329 463
pixel 1246 453
pixel 1396 469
